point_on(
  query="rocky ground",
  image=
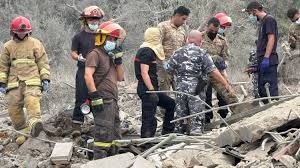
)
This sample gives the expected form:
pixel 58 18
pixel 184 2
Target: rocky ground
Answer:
pixel 246 139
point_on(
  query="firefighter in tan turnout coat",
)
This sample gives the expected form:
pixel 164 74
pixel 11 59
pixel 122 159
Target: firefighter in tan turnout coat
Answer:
pixel 24 74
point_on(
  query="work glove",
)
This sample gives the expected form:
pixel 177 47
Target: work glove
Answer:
pixel 81 58
pixel 153 97
pixel 118 61
pixel 264 65
pixel 116 55
pixel 2 88
pixel 96 101
pixel 45 85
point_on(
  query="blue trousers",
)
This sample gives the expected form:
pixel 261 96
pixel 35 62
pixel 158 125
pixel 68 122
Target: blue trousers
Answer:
pixel 270 76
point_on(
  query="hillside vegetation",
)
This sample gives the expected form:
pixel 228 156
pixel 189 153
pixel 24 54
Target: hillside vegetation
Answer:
pixel 56 21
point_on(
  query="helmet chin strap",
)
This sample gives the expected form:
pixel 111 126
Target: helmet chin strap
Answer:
pixel 20 39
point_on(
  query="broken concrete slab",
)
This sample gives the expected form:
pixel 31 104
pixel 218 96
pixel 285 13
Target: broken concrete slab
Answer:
pixel 35 147
pixel 288 161
pixel 30 162
pixel 259 154
pixel 170 151
pixel 117 161
pixel 180 159
pixel 212 158
pixel 62 153
pixel 141 162
pixel 253 128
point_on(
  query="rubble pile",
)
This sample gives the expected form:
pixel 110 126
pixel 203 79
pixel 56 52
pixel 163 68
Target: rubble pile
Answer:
pixel 268 138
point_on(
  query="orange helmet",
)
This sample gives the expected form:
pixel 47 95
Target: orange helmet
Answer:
pixel 92 11
pixel 224 19
pixel 110 29
pixel 20 24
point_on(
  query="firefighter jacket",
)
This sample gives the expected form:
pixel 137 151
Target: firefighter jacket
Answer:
pixel 24 61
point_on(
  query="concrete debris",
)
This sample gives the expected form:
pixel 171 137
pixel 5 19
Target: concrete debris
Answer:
pixel 212 158
pixel 288 161
pixel 35 147
pixel 117 161
pixel 270 123
pixel 62 153
pixel 181 158
pixel 141 162
pixel 30 161
pixel 253 128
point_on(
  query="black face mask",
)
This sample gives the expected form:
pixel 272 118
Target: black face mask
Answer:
pixel 17 37
pixel 212 35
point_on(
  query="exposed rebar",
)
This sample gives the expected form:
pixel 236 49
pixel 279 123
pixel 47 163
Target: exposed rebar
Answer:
pixel 198 98
pixel 233 104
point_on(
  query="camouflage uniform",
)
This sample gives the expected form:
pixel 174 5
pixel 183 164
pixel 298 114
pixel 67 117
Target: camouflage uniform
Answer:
pixel 172 38
pixel 294 32
pixel 253 64
pixel 190 64
pixel 218 49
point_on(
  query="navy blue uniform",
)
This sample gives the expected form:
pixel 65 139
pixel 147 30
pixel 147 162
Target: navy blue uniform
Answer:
pixel 268 26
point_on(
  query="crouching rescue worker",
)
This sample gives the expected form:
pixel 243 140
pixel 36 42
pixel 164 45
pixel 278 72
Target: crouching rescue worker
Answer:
pixel 217 48
pixel 24 74
pixel 146 74
pixel 103 69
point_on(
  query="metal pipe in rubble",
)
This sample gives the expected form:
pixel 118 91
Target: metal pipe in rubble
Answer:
pixel 169 138
pixel 177 92
pixel 233 104
pixel 267 87
pixel 179 138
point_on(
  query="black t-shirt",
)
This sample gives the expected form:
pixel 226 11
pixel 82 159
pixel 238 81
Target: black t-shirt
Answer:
pixel 83 42
pixel 146 56
pixel 268 26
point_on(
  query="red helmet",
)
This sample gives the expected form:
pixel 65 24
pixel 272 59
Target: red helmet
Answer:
pixel 92 11
pixel 224 19
pixel 111 29
pixel 20 24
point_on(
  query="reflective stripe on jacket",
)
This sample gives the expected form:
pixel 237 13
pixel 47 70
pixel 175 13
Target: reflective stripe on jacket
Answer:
pixel 24 61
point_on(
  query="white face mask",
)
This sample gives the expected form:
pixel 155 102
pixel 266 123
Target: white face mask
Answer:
pixel 252 18
pixel 93 27
pixel 109 46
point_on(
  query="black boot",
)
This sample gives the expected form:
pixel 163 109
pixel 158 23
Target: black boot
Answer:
pixel 99 153
pixel 113 150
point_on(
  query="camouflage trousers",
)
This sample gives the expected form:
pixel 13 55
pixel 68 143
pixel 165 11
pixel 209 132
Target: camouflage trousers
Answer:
pixel 165 80
pixel 24 96
pixel 229 97
pixel 187 105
